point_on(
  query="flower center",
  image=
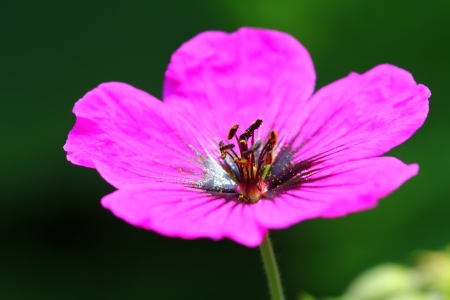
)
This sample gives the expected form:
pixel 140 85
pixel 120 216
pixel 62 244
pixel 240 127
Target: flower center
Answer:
pixel 252 162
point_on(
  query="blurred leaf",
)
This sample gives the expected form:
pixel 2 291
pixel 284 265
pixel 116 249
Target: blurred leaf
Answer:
pixel 381 282
pixel 434 268
pixel 305 296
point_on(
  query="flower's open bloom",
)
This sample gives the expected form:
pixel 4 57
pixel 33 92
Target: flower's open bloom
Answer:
pixel 240 144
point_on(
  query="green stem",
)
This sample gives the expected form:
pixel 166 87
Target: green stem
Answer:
pixel 270 264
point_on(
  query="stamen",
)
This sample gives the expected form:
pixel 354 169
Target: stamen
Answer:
pixel 252 149
pixel 250 160
pixel 226 147
pixel 248 133
pixel 255 125
pixel 244 136
pixel 241 161
pixel 233 131
pixel 273 136
pixel 243 146
pixel 272 141
pixel 269 158
pixel 223 149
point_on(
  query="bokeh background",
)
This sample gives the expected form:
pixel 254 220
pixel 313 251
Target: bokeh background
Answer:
pixel 56 240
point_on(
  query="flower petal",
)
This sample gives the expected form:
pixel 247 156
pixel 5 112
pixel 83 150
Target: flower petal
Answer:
pixel 362 116
pixel 171 210
pixel 134 137
pixel 345 188
pixel 221 79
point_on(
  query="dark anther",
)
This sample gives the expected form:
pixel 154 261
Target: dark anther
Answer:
pixel 255 125
pixel 273 136
pixel 233 131
pixel 269 158
pixel 224 147
pixel 269 146
pixel 252 148
pixel 271 142
pixel 244 136
pixel 243 145
pixel 248 133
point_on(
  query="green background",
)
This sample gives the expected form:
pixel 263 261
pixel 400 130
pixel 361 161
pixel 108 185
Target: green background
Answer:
pixel 56 240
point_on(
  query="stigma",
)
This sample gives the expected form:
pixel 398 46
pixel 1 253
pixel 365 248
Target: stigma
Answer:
pixel 251 158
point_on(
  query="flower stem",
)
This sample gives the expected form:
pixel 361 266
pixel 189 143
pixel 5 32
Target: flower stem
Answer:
pixel 270 264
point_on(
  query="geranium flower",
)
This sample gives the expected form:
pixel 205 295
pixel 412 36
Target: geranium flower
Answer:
pixel 240 145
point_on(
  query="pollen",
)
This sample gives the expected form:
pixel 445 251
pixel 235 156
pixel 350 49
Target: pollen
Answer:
pixel 251 160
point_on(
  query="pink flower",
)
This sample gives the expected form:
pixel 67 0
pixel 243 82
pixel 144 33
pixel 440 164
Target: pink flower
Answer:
pixel 321 151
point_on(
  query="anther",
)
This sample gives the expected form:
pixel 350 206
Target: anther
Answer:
pixel 244 137
pixel 273 138
pixel 255 125
pixel 224 147
pixel 243 145
pixel 241 161
pixel 252 148
pixel 269 158
pixel 248 133
pixel 232 131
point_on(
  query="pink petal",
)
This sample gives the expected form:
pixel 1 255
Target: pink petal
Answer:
pixel 175 211
pixel 353 186
pixel 362 115
pixel 133 137
pixel 219 79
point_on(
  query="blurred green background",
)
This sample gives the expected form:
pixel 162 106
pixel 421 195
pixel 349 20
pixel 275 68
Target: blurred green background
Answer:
pixel 56 240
